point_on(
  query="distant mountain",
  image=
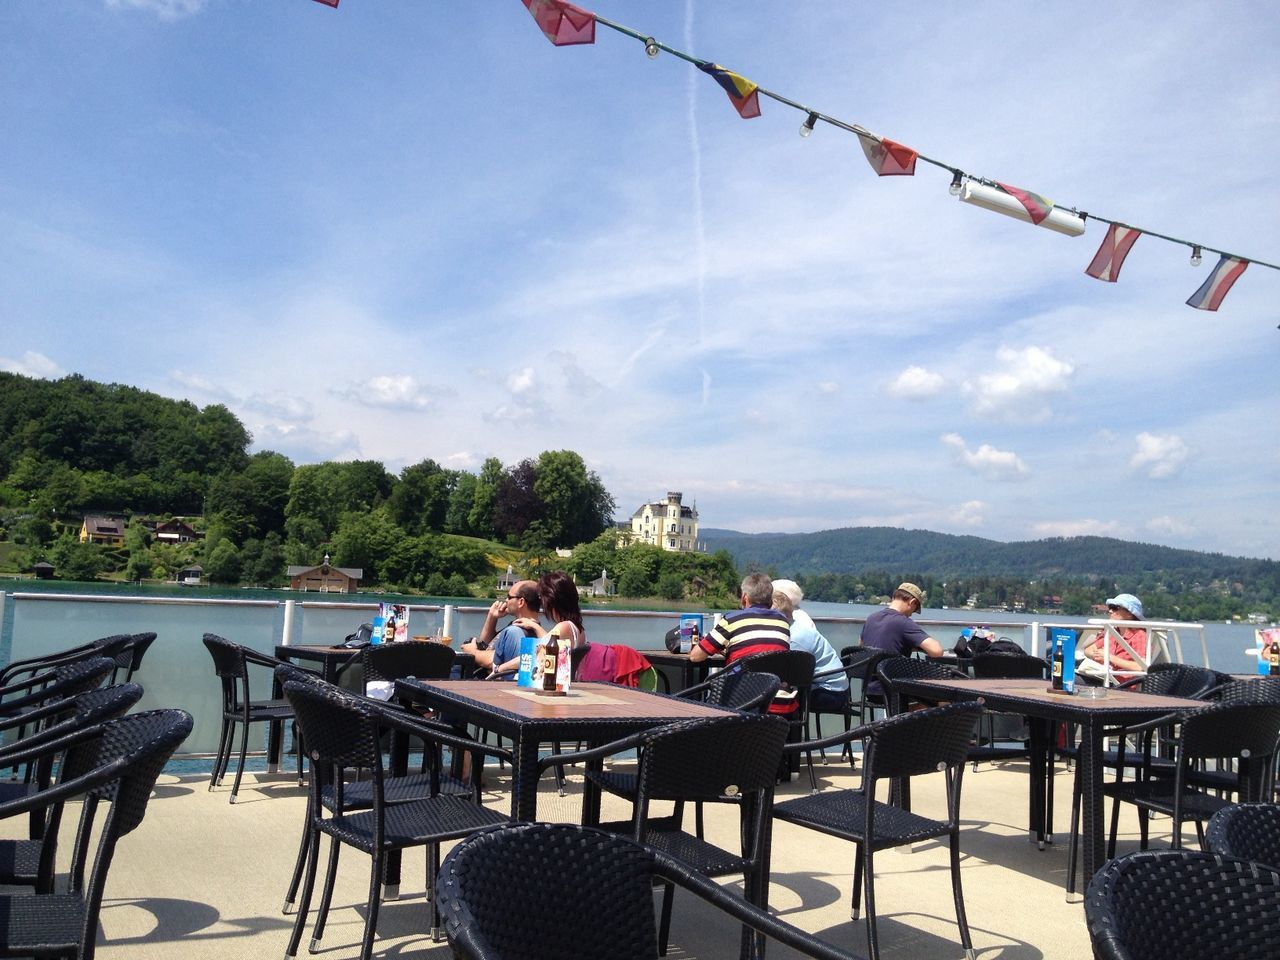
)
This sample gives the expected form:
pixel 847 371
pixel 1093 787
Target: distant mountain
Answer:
pixel 941 555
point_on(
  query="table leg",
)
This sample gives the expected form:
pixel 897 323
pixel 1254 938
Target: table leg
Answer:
pixel 1092 839
pixel 1040 772
pixel 524 777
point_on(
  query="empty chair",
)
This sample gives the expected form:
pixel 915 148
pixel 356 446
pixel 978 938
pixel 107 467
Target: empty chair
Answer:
pixel 1183 905
pixel 730 759
pixel 1007 666
pixel 907 745
pixel 31 862
pixel 497 887
pixel 231 664
pixel 1236 732
pixel 114 763
pixel 20 670
pixel 895 667
pixel 795 669
pixel 129 658
pixel 342 733
pixel 743 690
pixel 858 662
pixel 1248 831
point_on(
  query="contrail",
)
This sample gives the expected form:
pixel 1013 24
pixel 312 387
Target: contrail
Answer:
pixel 699 230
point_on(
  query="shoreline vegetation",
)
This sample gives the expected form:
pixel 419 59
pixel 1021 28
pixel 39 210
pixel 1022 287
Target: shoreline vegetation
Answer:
pixel 73 451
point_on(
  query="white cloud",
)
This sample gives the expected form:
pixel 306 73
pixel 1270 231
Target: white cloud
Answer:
pixel 1019 390
pixel 462 460
pixel 304 445
pixel 828 387
pixel 1160 457
pixel 32 364
pixel 971 513
pixel 917 383
pixel 281 406
pixel 1077 528
pixel 394 393
pixel 987 461
pixel 1170 526
pixel 164 9
pixel 521 381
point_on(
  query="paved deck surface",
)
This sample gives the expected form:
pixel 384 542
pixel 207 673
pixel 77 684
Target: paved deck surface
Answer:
pixel 203 879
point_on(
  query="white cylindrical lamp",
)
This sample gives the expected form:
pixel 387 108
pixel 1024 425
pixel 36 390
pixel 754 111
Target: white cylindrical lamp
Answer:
pixel 980 195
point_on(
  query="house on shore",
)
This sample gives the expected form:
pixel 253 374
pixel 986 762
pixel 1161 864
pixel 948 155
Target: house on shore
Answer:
pixel 665 523
pixel 325 578
pixel 108 531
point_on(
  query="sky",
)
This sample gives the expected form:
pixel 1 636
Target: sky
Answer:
pixel 398 230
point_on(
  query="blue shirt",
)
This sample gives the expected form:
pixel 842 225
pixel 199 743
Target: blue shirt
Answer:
pixel 806 636
pixel 506 646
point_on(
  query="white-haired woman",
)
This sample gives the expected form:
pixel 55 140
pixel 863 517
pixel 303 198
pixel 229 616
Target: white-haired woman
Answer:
pixel 829 693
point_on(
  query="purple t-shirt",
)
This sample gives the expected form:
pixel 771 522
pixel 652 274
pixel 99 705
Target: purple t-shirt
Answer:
pixel 890 630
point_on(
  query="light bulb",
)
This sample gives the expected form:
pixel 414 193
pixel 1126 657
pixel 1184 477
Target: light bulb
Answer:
pixel 806 128
pixel 1195 255
pixel 956 179
pixel 651 48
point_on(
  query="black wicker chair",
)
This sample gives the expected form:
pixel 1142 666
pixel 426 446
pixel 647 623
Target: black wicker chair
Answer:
pixel 1249 831
pixel 342 733
pixel 31 862
pixel 1242 732
pixel 231 663
pixel 860 665
pixel 498 888
pixel 129 658
pixel 1183 905
pixel 116 763
pixel 19 672
pixel 731 759
pixel 894 667
pixel 742 690
pixel 795 669
pixel 1004 666
pixel 907 745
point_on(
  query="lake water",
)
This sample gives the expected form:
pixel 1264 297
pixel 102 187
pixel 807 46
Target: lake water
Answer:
pixel 46 617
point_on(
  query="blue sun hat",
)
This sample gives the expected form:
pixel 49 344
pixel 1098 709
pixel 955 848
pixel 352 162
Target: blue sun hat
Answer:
pixel 1129 602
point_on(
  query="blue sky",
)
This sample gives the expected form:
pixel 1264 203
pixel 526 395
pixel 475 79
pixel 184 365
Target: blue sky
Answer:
pixel 400 230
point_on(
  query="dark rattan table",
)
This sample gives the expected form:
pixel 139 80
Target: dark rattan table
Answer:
pixel 596 713
pixel 1034 700
pixel 332 658
pixel 690 672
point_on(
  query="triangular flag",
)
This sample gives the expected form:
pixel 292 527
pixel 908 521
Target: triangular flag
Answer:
pixel 889 159
pixel 1037 207
pixel 742 92
pixel 1115 247
pixel 562 22
pixel 1215 288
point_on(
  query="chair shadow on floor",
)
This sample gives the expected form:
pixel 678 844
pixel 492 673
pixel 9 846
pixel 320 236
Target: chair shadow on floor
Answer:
pixel 905 941
pixel 177 920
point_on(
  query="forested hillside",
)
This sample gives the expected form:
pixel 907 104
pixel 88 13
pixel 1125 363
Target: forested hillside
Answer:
pixel 863 562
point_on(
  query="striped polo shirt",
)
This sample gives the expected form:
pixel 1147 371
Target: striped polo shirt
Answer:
pixel 746 632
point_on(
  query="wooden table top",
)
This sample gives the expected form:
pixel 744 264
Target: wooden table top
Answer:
pixel 584 701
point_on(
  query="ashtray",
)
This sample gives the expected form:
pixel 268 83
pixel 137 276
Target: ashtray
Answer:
pixel 1092 693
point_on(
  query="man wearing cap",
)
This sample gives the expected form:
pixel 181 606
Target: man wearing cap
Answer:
pixel 893 629
pixel 1128 646
pixel 829 693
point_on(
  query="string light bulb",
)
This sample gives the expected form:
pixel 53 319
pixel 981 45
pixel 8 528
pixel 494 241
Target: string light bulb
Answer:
pixel 806 128
pixel 956 179
pixel 1196 258
pixel 651 48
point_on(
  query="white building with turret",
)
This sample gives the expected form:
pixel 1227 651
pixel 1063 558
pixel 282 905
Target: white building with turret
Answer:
pixel 666 524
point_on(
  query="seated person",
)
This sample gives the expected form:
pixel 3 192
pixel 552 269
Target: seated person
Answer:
pixel 830 693
pixel 1124 665
pixel 755 628
pixel 892 629
pixel 498 651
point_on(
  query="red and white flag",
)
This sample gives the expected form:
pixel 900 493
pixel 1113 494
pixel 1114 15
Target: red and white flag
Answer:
pixel 1115 247
pixel 1215 288
pixel 563 23
pixel 889 159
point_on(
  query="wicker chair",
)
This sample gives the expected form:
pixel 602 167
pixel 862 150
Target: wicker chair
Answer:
pixel 342 733
pixel 795 669
pixel 129 659
pixel 115 763
pixel 911 744
pixel 1225 731
pixel 1249 831
pixel 31 862
pixel 859 664
pixel 731 759
pixel 1006 666
pixel 742 690
pixel 231 663
pixel 892 668
pixel 20 671
pixel 1183 905
pixel 497 889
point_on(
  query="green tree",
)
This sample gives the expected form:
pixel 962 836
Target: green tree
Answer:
pixel 480 519
pixel 462 496
pixel 74 560
pixel 420 499
pixel 223 564
pixel 365 540
pixel 575 505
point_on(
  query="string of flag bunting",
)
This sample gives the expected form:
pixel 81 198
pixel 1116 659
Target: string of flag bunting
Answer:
pixel 566 24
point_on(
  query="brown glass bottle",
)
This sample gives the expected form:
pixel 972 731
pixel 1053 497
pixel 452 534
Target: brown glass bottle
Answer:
pixel 1273 656
pixel 550 656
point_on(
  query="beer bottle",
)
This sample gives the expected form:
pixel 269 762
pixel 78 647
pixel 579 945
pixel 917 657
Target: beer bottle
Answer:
pixel 1273 656
pixel 1058 653
pixel 550 657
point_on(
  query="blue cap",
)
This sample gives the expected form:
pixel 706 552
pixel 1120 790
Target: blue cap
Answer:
pixel 1129 602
